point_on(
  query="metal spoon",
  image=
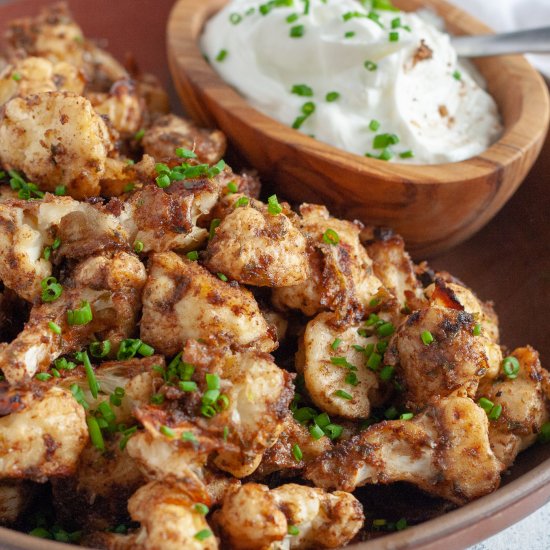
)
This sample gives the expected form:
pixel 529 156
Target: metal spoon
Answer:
pixel 527 41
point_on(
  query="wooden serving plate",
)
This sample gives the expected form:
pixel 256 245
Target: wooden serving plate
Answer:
pixel 433 207
pixel 508 262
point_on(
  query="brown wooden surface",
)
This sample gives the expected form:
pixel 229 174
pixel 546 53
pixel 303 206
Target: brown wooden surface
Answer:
pixel 508 261
pixel 433 207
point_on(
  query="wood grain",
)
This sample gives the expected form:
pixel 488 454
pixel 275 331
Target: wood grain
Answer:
pixel 433 207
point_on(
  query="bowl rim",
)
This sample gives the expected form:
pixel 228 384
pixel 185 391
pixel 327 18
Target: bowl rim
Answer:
pixel 520 136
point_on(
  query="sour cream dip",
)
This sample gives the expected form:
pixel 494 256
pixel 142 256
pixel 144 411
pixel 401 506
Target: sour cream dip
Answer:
pixel 358 75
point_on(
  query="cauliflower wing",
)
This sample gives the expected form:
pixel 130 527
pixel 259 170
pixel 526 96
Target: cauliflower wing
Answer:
pixel 255 517
pixel 55 138
pixel 183 301
pixel 169 132
pixel 44 436
pixel 341 273
pixel 445 451
pixel 257 248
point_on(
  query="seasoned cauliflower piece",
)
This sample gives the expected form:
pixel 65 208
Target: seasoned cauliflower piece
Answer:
pixel 329 370
pixel 55 138
pixel 257 248
pixel 34 75
pixel 166 219
pixel 341 275
pixel 171 132
pixel 445 451
pixel 256 518
pixel 182 300
pixel 169 521
pixel 122 105
pixel 44 436
pixel 436 353
pixel 449 294
pixel 525 402
pixel 111 284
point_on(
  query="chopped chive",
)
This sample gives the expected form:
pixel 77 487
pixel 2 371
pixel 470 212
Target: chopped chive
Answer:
pixel 331 237
pixel 138 136
pixel 351 379
pixel 374 361
pixel 157 398
pixel 477 329
pixel 349 34
pixel 302 90
pixel 394 36
pixel 242 201
pixel 303 414
pixel 293 530
pixel 370 65
pixel 544 435
pixel 100 349
pixel 193 255
pixel 297 31
pixel 273 205
pixel 427 337
pixel 297 452
pixel 406 154
pixel 292 17
pixel 78 394
pixel 235 18
pixel 401 524
pixel 60 190
pixel 486 404
pixel 168 432
pixel 222 277
pixel 212 381
pixel 95 433
pixel 333 431
pixel 374 125
pixel 457 75
pixel 322 420
pixel 396 23
pixel 510 366
pixel 316 432
pixel 221 55
pixel 387 329
pixel 16 76
pixel 495 412
pixel 51 289
pixel 391 413
pixel 231 188
pixel 54 327
pixel 138 247
pixel 225 433
pixel 43 376
pixel 343 394
pixel 382 346
pixel 201 508
pixel 406 416
pixel 204 534
pixel 332 96
pixel 188 436
pixel 336 344
pixel 188 386
pixel 90 374
pixel 382 141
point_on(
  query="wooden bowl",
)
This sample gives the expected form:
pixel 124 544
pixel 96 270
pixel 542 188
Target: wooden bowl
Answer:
pixel 433 206
pixel 508 261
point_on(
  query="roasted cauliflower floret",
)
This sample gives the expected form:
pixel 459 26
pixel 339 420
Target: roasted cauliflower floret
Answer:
pixel 341 276
pixel 169 518
pixel 336 376
pixel 255 517
pixel 524 396
pixel 182 300
pixel 170 132
pixel 257 248
pixel 122 105
pixel 34 75
pixel 15 497
pixel 445 451
pixel 436 353
pixel 55 138
pixel 44 436
pixel 111 285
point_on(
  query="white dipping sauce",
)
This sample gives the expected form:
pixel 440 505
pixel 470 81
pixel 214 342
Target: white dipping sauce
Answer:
pixel 391 74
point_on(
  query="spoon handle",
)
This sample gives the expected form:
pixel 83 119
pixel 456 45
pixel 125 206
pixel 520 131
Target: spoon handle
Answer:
pixel 527 41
